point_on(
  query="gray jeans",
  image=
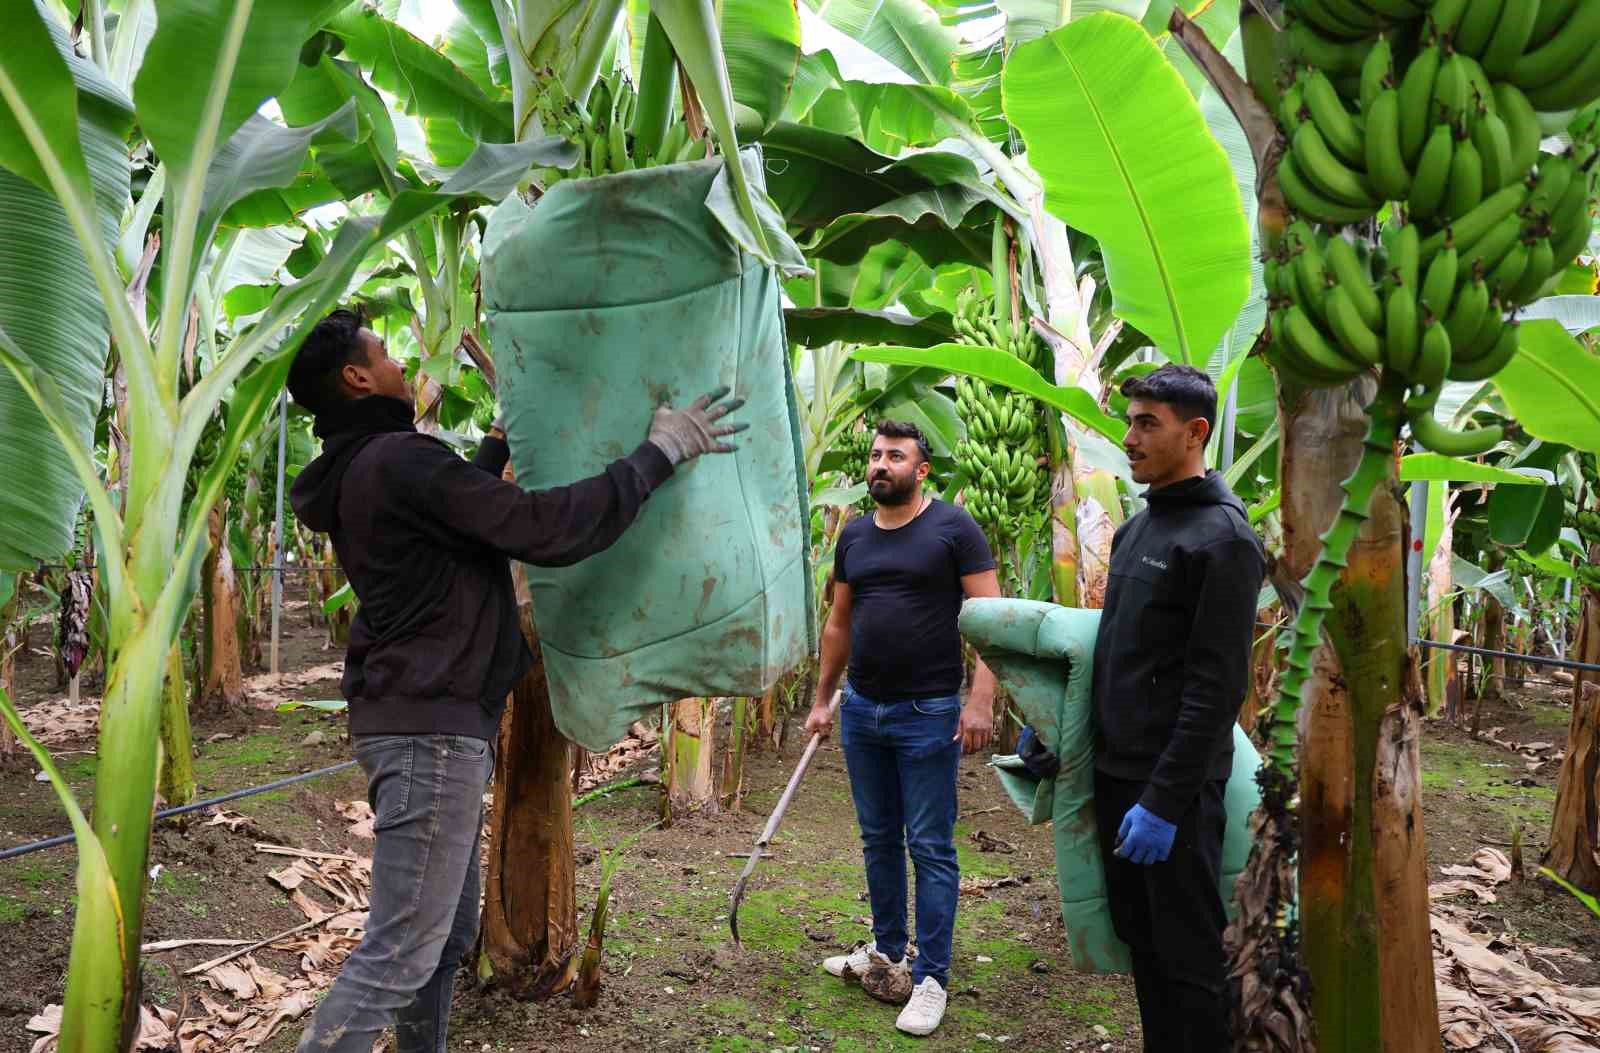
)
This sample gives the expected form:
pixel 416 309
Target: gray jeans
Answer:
pixel 427 799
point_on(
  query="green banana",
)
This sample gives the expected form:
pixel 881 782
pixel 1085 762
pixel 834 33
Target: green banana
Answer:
pixel 1522 122
pixel 1487 252
pixel 1350 275
pixel 1358 341
pixel 1328 22
pixel 1488 335
pixel 1312 203
pixel 1400 329
pixel 1570 225
pixel 1448 441
pixel 1541 265
pixel 1416 96
pixel 1303 337
pixel 1505 348
pixel 1466 314
pixel 1433 357
pixel 1311 276
pixel 1510 38
pixel 1337 58
pixel 1338 181
pixel 1552 15
pixel 1439 284
pixel 1465 190
pixel 619 146
pixel 1467 229
pixel 1431 178
pixel 1377 74
pixel 1444 16
pixel 1555 172
pixel 1547 62
pixel 1291 109
pixel 1472 36
pixel 599 155
pixel 1386 167
pixel 1509 270
pixel 1492 140
pixel 1405 254
pixel 1572 89
pixel 1337 127
pixel 1452 90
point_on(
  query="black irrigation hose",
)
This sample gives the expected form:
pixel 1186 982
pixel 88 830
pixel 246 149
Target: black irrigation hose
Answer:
pixel 193 806
pixel 1559 663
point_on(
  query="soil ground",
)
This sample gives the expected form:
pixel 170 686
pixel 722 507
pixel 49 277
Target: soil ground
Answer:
pixel 671 980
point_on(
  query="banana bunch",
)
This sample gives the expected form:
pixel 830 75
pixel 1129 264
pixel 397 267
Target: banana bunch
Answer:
pixel 1586 522
pixel 856 448
pixel 1003 452
pixel 1433 106
pixel 1588 575
pixel 976 324
pixel 600 129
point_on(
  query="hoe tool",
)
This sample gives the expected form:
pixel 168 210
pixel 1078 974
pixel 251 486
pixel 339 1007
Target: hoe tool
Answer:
pixel 771 829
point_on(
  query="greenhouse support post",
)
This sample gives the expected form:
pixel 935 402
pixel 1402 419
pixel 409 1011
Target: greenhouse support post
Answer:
pixel 1230 416
pixel 277 557
pixel 1414 564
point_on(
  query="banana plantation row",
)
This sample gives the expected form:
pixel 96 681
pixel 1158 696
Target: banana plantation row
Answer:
pixel 1371 224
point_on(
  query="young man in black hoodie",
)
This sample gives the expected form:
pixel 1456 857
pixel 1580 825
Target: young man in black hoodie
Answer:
pixel 425 538
pixel 1170 668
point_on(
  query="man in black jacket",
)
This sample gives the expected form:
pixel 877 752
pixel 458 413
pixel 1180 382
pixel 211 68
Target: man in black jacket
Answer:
pixel 1170 668
pixel 424 538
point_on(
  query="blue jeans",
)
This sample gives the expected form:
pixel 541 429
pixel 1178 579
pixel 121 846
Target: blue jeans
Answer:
pixel 903 758
pixel 427 799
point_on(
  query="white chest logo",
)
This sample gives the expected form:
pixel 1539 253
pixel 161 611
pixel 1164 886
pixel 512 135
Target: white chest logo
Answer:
pixel 1156 563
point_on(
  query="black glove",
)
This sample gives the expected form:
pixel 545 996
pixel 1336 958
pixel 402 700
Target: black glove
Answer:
pixel 687 433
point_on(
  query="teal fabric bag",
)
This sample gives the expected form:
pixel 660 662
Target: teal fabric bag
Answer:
pixel 1044 655
pixel 610 297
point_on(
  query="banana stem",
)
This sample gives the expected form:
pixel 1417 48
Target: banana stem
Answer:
pixel 1000 269
pixel 1386 414
pixel 653 112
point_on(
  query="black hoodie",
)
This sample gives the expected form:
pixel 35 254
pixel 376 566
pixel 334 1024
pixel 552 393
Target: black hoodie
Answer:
pixel 1173 656
pixel 424 538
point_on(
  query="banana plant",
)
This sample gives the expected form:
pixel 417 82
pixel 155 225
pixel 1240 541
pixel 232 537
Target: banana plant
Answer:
pixel 59 120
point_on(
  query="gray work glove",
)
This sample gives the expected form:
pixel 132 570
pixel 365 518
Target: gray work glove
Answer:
pixel 687 433
pixel 499 420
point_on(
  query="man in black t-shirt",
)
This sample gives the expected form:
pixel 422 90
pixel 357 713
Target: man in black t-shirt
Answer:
pixel 900 576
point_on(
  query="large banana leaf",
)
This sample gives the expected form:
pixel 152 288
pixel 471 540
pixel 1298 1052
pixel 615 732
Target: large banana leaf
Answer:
pixel 1434 467
pixel 818 326
pixel 1577 314
pixel 906 33
pixel 1552 387
pixel 761 45
pixel 455 111
pixel 999 367
pixel 851 198
pixel 1126 158
pixel 48 302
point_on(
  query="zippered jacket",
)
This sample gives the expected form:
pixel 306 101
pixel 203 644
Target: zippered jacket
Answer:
pixel 1172 660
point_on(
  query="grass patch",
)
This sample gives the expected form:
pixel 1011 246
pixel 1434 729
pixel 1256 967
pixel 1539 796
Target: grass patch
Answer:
pixel 12 910
pixel 36 873
pixel 1486 777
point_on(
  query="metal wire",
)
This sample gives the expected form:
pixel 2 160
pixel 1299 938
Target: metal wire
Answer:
pixel 193 806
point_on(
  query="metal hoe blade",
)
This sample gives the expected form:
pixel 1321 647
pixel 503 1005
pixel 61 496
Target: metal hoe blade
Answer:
pixel 769 831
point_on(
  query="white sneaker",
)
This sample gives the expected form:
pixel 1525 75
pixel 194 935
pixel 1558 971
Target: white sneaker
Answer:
pixel 854 966
pixel 926 1008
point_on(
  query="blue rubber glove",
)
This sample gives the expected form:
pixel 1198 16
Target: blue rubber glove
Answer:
pixel 1144 836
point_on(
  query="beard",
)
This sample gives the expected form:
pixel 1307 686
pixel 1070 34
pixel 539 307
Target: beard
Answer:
pixel 889 492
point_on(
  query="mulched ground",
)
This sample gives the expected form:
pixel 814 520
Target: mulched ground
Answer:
pixel 672 981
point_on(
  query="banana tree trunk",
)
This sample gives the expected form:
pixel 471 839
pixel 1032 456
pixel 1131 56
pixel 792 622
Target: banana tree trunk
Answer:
pixel 223 684
pixel 10 643
pixel 1363 869
pixel 688 746
pixel 528 941
pixel 1575 833
pixel 177 744
pixel 1494 638
pixel 733 759
pixel 768 719
pixel 1264 670
pixel 1443 686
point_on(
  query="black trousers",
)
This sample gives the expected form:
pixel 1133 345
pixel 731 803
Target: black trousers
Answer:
pixel 1170 914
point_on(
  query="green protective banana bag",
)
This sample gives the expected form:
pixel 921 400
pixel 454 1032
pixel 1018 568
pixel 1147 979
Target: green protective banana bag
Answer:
pixel 1044 656
pixel 610 297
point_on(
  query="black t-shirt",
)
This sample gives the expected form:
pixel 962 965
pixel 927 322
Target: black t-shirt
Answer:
pixel 905 587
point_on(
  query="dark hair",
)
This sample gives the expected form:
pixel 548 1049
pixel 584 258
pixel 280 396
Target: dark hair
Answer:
pixel 333 343
pixel 904 429
pixel 1189 391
